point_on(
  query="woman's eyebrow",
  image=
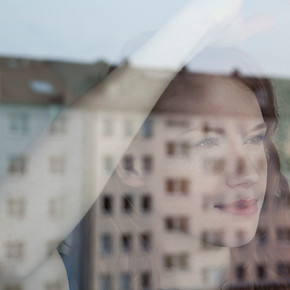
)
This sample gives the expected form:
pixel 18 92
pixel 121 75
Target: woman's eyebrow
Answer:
pixel 260 126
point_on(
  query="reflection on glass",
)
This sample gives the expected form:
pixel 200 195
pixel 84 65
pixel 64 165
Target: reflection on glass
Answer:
pixel 185 206
pixel 210 149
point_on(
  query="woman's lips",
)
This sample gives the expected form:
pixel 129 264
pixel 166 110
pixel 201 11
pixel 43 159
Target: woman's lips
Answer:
pixel 242 207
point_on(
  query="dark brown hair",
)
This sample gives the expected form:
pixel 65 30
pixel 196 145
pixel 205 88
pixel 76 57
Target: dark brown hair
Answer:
pixel 277 190
pixel 277 185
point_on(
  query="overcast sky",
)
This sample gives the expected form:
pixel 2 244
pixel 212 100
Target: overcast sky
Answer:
pixel 90 30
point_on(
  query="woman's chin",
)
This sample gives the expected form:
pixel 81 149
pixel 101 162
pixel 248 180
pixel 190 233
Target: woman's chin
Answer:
pixel 243 241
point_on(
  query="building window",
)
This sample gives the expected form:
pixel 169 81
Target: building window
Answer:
pixel 184 149
pixel 125 281
pixel 106 244
pixel 218 238
pixel 16 207
pixel 283 234
pixel 283 269
pixel 17 165
pixel 209 238
pixel 240 272
pixel 147 164
pixel 184 186
pixel 183 224
pixel 170 185
pixel 183 261
pixel 170 148
pixel 181 149
pixel 261 272
pixel 128 128
pixel 18 124
pixel 213 276
pixel 169 223
pixel 108 129
pixel 107 204
pixel 14 250
pixel 168 262
pixel 128 163
pixel 145 240
pixel 105 282
pixel 178 224
pixel 57 165
pixel 177 186
pixel 126 243
pixel 41 87
pixel 54 208
pixel 176 261
pixel 146 203
pixel 146 281
pixel 147 128
pixel 127 203
pixel 108 164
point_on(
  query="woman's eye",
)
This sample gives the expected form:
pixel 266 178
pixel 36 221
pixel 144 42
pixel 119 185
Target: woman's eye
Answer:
pixel 258 139
pixel 207 143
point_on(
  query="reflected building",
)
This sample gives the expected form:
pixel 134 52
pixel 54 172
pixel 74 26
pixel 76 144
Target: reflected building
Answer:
pixel 143 221
pixel 32 95
pixel 144 231
pixel 264 262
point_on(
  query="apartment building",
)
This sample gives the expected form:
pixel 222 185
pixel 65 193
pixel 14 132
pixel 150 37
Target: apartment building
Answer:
pixel 42 163
pixel 144 219
pixel 145 230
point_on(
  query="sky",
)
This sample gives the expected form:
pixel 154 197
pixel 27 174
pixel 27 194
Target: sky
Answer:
pixel 92 30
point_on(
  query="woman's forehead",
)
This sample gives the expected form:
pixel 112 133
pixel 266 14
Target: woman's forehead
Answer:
pixel 223 125
pixel 210 95
pixel 225 96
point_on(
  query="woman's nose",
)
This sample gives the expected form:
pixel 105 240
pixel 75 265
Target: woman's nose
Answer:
pixel 241 170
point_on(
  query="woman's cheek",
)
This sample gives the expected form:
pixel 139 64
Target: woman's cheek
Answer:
pixel 259 157
pixel 262 164
pixel 213 161
pixel 214 165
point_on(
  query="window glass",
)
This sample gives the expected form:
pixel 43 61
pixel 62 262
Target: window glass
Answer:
pixel 145 144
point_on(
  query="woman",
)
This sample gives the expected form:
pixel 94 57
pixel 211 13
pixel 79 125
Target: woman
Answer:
pixel 214 163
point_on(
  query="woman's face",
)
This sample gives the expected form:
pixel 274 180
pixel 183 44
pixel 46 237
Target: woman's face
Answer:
pixel 227 163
